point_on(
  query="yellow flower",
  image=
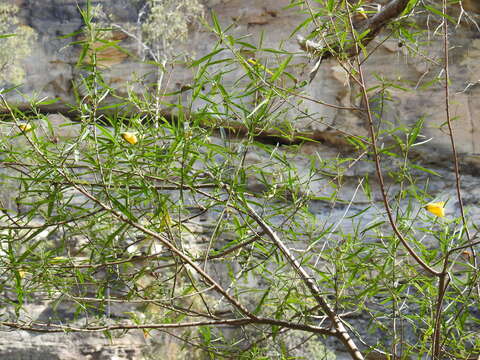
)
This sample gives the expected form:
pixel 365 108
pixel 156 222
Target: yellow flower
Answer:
pixel 25 127
pixel 436 208
pixel 129 137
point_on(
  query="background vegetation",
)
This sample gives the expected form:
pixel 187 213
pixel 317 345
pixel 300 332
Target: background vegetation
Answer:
pixel 201 224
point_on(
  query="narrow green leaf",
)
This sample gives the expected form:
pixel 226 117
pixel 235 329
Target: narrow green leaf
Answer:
pixel 281 68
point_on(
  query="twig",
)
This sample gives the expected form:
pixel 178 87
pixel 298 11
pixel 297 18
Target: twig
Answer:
pixel 341 331
pixel 54 328
pixel 379 171
pixel 452 139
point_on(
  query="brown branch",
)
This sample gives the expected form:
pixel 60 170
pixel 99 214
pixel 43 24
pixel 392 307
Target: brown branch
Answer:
pixel 372 25
pixel 378 168
pixel 54 328
pixel 376 23
pixel 392 10
pixel 340 331
pixel 444 279
pixel 443 282
pixel 452 140
pixel 49 224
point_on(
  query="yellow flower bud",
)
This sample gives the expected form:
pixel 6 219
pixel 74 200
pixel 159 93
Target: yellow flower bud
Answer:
pixel 129 137
pixel 25 127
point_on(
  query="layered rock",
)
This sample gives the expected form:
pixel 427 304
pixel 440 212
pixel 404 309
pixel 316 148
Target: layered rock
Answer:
pixel 51 72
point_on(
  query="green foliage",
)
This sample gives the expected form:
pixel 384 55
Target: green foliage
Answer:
pixel 213 225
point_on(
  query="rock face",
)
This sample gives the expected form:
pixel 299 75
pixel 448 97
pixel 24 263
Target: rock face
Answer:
pixel 19 345
pixel 51 72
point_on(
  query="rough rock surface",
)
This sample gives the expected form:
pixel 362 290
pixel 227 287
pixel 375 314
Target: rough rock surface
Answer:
pixel 50 69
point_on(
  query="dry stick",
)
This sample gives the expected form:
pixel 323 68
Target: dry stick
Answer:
pixel 330 49
pixel 371 26
pixel 341 332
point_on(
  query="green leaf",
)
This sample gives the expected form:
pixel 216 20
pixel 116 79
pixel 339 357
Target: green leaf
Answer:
pixel 300 26
pixel 439 13
pixel 206 57
pixel 419 167
pixel 359 212
pixel 259 306
pixel 414 132
pixel 281 68
pixel 373 226
pixel 216 23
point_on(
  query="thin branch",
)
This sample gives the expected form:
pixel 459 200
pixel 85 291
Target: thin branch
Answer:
pixel 378 168
pixel 444 278
pixel 341 331
pixel 54 328
pixel 452 139
pixel 372 26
